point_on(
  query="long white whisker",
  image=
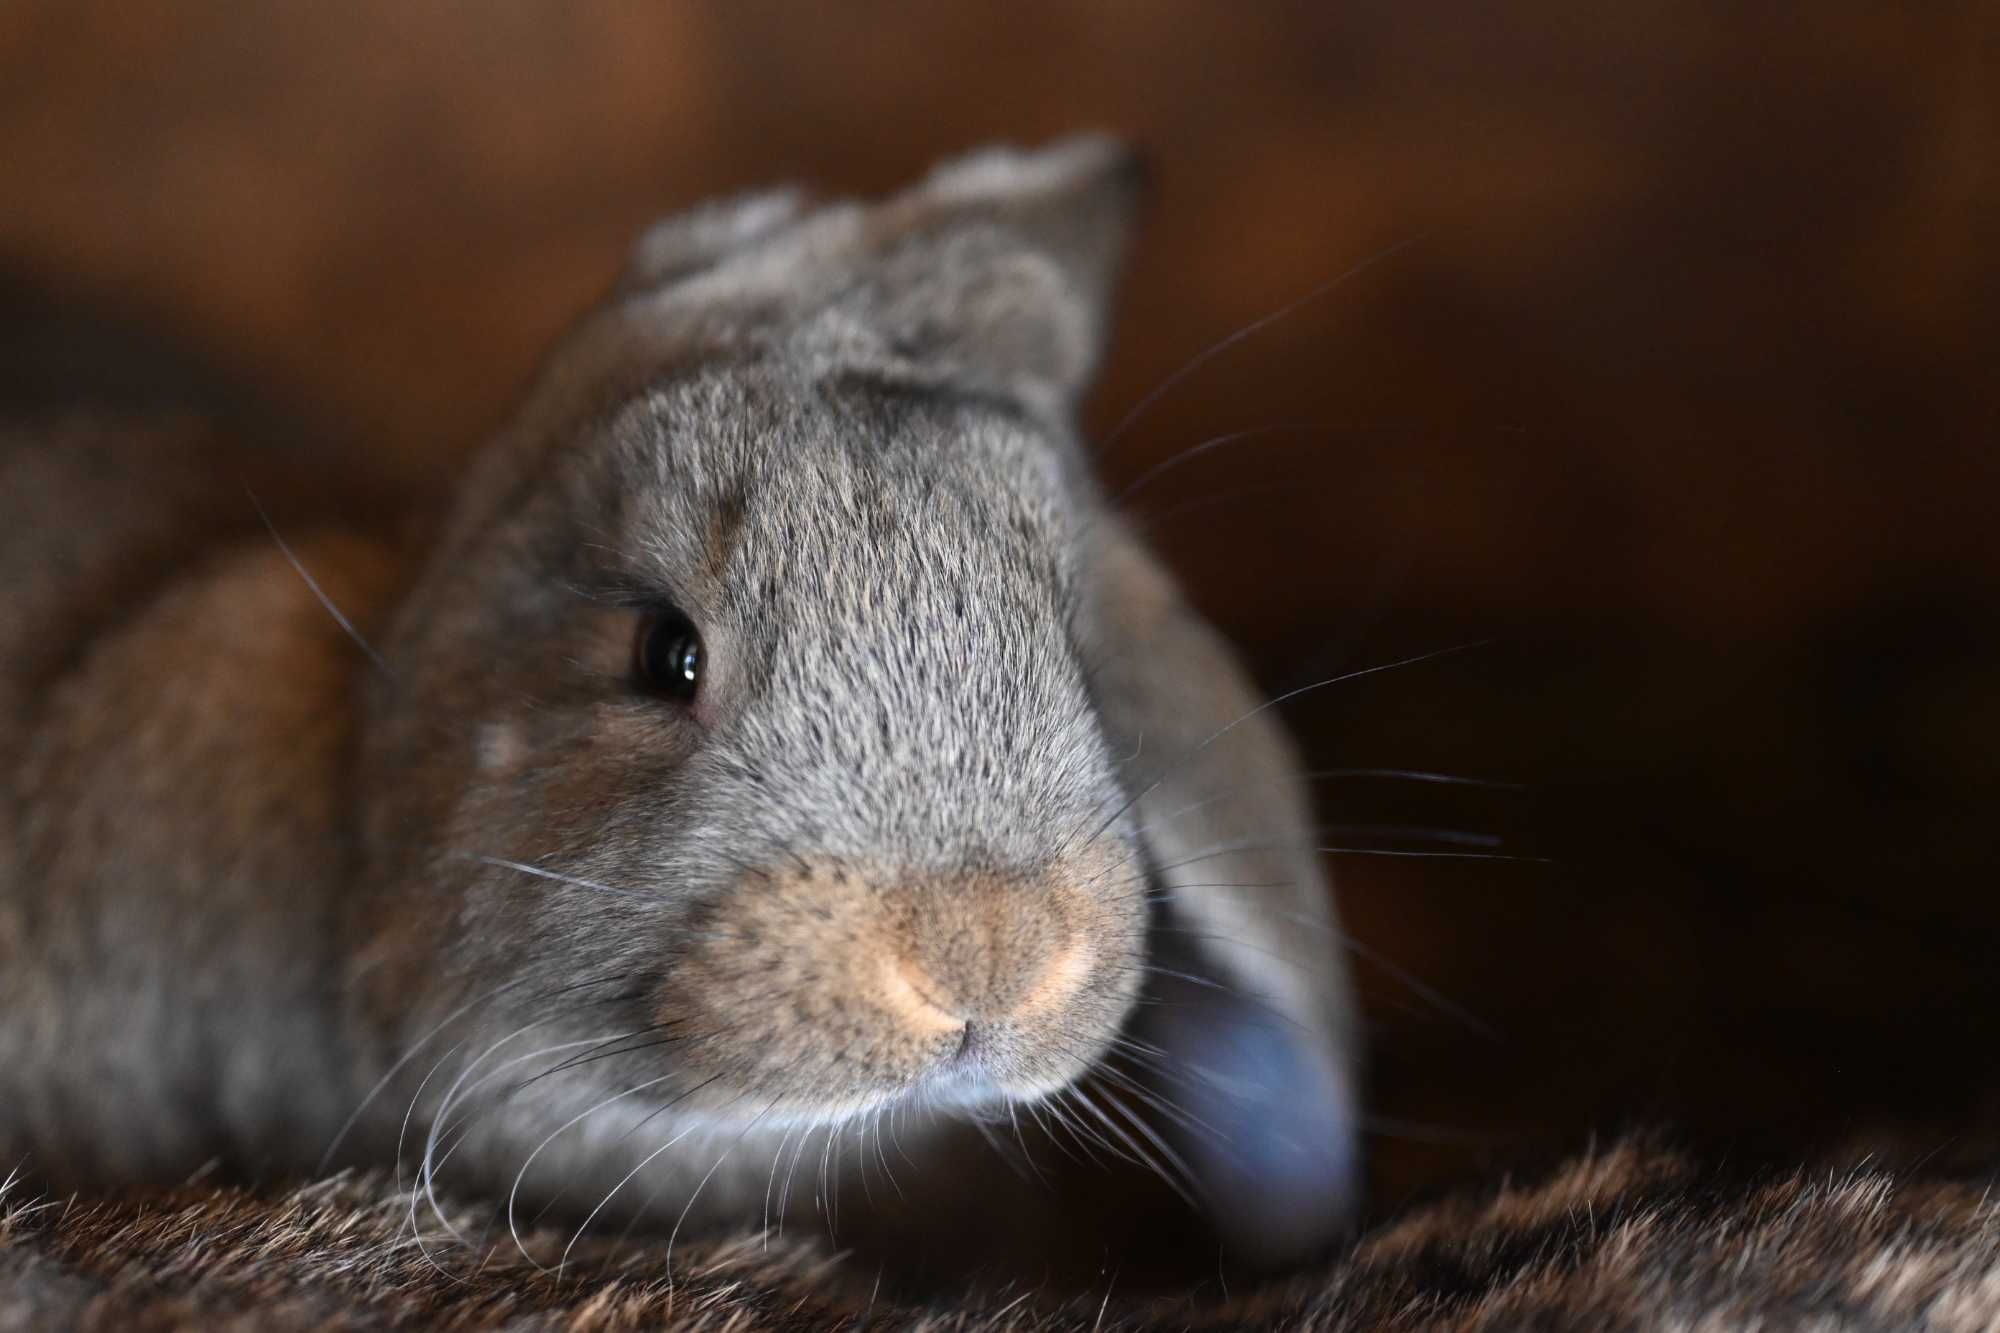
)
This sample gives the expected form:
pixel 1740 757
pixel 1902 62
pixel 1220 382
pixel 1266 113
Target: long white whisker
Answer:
pixel 770 1186
pixel 1264 707
pixel 1416 985
pixel 347 1125
pixel 312 585
pixel 514 1190
pixel 501 862
pixel 1412 775
pixel 623 1181
pixel 1176 459
pixel 1249 330
pixel 410 1111
pixel 674 1235
pixel 1138 1153
pixel 427 1168
pixel 1160 1145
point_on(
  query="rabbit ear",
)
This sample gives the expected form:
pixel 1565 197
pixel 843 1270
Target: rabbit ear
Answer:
pixel 994 273
pixel 1249 1019
pixel 702 237
pixel 998 268
pixel 1252 1021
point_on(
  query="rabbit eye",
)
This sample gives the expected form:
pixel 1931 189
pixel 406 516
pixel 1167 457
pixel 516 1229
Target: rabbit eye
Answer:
pixel 667 657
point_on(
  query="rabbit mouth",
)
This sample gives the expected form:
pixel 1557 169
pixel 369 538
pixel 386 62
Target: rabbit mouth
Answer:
pixel 838 990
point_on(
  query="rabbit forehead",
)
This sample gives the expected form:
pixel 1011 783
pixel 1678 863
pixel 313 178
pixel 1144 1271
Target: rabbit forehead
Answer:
pixel 890 572
pixel 751 475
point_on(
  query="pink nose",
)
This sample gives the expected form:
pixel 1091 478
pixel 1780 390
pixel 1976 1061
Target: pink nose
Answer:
pixel 915 1001
pixel 1037 985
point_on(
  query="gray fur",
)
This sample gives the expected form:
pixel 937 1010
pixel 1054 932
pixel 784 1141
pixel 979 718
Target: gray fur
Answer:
pixel 952 720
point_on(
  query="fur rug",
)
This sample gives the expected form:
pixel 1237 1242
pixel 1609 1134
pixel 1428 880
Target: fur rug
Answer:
pixel 1630 1237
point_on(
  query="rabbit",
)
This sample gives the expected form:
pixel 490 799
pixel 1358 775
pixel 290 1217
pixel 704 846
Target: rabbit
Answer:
pixel 773 738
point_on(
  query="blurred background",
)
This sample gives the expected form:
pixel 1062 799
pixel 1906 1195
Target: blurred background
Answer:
pixel 1680 400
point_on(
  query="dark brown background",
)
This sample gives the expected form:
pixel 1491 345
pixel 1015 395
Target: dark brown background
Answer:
pixel 1683 395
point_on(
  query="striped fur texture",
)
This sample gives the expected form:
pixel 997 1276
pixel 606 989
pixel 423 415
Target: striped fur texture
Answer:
pixel 1634 1236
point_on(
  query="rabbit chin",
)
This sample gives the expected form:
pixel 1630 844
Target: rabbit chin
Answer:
pixel 975 1080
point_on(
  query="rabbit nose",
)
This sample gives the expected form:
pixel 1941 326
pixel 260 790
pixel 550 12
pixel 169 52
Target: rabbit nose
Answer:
pixel 1009 990
pixel 915 998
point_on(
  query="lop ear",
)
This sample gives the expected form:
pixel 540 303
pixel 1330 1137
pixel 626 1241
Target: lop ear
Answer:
pixel 706 235
pixel 998 268
pixel 1251 1022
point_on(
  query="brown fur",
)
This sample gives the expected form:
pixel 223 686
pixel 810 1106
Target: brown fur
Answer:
pixel 1630 1237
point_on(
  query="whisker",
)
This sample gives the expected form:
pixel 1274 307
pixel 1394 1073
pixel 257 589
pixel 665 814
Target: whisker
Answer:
pixel 827 1204
pixel 1153 1137
pixel 1410 833
pixel 1249 330
pixel 430 1165
pixel 1087 1136
pixel 1014 1119
pixel 1048 1104
pixel 520 1175
pixel 1397 972
pixel 660 1110
pixel 347 1126
pixel 770 1185
pixel 1412 775
pixel 501 862
pixel 1152 524
pixel 1172 461
pixel 410 1111
pixel 1435 856
pixel 1168 889
pixel 602 1052
pixel 791 1170
pixel 626 1179
pixel 1170 818
pixel 882 1114
pixel 1230 848
pixel 1195 933
pixel 312 585
pixel 1139 1154
pixel 1178 1115
pixel 674 1235
pixel 1266 706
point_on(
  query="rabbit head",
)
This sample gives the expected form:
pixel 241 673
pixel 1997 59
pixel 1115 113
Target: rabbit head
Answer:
pixel 784 728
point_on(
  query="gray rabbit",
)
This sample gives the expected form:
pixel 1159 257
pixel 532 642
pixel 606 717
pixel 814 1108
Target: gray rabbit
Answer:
pixel 776 738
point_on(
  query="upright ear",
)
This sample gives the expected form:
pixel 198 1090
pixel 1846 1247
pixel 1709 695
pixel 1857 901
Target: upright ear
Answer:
pixel 998 267
pixel 704 236
pixel 995 271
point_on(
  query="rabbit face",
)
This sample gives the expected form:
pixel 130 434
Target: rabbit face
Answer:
pixel 768 699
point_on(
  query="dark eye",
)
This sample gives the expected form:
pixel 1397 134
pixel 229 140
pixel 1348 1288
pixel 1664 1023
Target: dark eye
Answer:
pixel 667 655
